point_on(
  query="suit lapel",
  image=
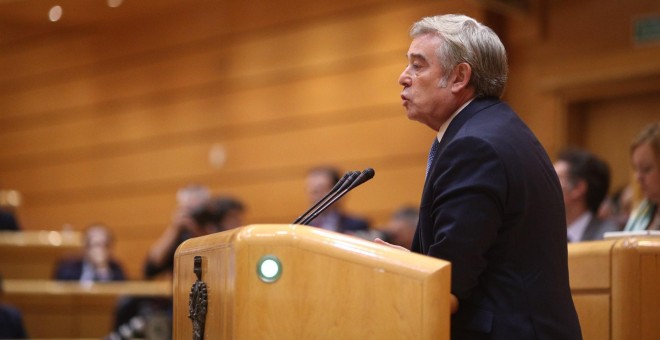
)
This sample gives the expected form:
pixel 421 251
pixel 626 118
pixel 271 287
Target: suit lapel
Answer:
pixel 468 112
pixel 420 241
pixel 591 229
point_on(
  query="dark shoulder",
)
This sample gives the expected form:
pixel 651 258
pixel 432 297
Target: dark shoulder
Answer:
pixel 8 221
pixel 353 223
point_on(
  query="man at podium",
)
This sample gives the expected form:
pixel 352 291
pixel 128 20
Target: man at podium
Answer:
pixel 492 203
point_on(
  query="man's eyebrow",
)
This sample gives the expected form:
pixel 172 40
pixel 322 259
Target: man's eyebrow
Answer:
pixel 416 56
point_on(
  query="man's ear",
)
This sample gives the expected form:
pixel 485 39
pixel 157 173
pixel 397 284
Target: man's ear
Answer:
pixel 462 74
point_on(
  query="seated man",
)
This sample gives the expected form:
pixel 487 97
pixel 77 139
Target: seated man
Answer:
pixel 96 264
pixel 400 229
pixel 320 181
pixel 584 180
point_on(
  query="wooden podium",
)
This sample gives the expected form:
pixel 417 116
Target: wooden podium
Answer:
pixel 299 282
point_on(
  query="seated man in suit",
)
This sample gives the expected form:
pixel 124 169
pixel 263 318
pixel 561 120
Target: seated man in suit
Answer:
pixel 320 181
pixel 96 264
pixel 585 180
pixel 400 229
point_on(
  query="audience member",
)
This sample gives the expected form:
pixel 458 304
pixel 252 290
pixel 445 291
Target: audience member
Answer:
pixel 8 221
pixel 211 216
pixel 11 320
pixel 96 264
pixel 645 154
pixel 618 206
pixel 400 229
pixel 320 181
pixel 219 213
pixel 160 258
pixel 584 180
pixel 197 215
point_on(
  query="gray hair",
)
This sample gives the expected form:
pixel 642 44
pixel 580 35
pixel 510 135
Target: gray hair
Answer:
pixel 466 40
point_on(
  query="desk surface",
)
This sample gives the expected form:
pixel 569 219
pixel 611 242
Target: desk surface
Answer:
pixel 41 238
pixel 53 288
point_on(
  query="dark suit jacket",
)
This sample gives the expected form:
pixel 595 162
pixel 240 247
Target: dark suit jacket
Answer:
pixel 351 224
pixel 492 206
pixel 345 223
pixel 11 323
pixel 597 228
pixel 71 270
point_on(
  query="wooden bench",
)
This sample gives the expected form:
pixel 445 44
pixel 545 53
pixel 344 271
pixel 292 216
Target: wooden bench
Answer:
pixel 53 309
pixel 34 254
pixel 616 287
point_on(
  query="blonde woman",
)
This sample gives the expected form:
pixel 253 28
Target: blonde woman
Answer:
pixel 645 155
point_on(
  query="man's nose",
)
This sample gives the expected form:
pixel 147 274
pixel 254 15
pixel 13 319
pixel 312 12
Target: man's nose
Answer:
pixel 404 78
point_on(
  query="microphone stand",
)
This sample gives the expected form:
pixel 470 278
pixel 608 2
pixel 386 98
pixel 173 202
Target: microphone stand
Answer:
pixel 366 175
pixel 348 178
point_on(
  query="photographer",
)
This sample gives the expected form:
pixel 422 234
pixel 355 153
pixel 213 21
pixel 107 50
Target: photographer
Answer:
pixel 197 216
pixel 160 258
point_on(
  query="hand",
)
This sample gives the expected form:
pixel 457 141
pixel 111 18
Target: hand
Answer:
pixel 379 241
pixel 182 221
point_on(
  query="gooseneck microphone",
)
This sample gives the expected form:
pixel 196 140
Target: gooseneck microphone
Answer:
pixel 342 183
pixel 351 183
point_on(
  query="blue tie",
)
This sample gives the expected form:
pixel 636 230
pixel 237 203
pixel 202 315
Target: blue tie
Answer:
pixel 432 152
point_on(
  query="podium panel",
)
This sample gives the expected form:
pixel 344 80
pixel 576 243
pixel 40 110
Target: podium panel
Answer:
pixel 615 287
pixel 299 282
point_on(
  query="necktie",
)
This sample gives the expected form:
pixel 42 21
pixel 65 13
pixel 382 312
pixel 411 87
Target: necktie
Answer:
pixel 432 153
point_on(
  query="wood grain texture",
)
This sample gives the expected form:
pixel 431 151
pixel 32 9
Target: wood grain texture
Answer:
pixel 102 122
pixel 70 310
pixel 615 287
pixel 332 286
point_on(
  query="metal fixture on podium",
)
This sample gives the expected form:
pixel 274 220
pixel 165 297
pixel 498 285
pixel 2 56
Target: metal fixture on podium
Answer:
pixel 198 302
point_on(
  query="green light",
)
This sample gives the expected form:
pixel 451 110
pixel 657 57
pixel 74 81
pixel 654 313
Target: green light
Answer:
pixel 269 268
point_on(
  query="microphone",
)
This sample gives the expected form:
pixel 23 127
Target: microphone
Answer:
pixel 366 175
pixel 348 177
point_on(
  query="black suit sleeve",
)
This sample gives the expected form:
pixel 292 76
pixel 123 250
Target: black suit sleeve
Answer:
pixel 469 193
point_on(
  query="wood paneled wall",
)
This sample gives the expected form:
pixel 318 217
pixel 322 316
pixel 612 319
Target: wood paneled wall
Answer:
pixel 105 123
pixel 579 78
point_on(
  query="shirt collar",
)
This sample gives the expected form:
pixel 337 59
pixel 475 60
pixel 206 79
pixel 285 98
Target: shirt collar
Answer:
pixel 443 127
